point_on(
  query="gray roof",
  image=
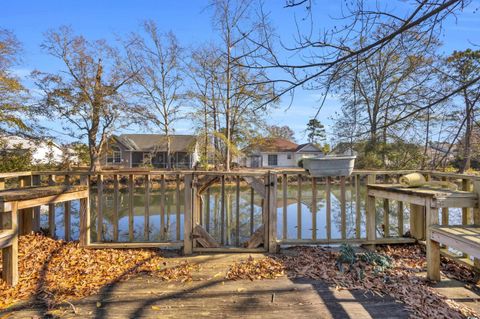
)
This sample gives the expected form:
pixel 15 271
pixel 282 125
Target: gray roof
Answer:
pixel 156 142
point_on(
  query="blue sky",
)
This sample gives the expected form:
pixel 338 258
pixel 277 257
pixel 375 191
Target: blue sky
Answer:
pixel 191 22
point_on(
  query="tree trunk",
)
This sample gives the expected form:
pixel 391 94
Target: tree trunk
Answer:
pixel 205 155
pixel 227 104
pixel 467 150
pixel 169 155
pixel 94 160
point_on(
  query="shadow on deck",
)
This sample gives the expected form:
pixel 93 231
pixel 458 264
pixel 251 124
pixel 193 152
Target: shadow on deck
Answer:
pixel 210 295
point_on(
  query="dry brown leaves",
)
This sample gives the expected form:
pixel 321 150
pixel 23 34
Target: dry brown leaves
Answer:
pixel 52 271
pixel 401 282
pixel 255 269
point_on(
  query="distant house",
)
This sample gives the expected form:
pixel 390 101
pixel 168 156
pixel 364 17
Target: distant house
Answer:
pixel 344 148
pixel 442 153
pixel 278 152
pixel 150 150
pixel 43 152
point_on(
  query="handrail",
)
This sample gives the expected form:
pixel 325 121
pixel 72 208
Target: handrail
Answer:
pixel 246 172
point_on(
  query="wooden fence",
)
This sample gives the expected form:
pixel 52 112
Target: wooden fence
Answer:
pixel 255 210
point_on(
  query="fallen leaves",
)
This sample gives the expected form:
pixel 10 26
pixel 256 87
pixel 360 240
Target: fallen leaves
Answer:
pixel 401 281
pixel 52 271
pixel 254 269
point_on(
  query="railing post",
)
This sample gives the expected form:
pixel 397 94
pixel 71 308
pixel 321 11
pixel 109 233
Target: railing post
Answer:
pixel 476 216
pixel 10 253
pixel 358 213
pixel 187 216
pixel 99 208
pixel 2 186
pixel 272 212
pixel 417 221
pixel 67 207
pixel 433 247
pixel 25 220
pixel 36 210
pixel 371 212
pixel 85 220
pixel 51 210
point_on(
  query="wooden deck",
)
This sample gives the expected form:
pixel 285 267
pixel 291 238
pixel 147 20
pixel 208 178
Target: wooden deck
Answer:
pixel 210 295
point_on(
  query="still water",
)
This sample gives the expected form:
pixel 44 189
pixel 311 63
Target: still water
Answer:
pixel 246 223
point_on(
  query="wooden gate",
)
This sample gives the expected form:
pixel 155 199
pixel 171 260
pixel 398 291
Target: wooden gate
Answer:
pixel 200 237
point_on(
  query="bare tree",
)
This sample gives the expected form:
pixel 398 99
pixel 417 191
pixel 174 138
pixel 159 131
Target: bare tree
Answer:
pixel 205 71
pixel 281 131
pixel 244 90
pixel 322 55
pixel 87 93
pixel 387 85
pixel 157 85
pixel 461 67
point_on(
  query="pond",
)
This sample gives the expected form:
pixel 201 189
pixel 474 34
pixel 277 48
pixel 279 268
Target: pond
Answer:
pixel 249 220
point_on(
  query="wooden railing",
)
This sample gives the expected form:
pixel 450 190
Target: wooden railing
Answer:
pixel 294 207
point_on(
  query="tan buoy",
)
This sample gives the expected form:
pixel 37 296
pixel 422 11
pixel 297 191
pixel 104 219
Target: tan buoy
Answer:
pixel 413 180
pixel 418 180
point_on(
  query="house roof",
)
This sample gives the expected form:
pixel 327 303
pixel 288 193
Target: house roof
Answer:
pixel 275 144
pixel 155 142
pixel 302 146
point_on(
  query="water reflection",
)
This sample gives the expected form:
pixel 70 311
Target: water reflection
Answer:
pixel 163 227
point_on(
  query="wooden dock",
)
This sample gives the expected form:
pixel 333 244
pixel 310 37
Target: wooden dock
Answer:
pixel 212 296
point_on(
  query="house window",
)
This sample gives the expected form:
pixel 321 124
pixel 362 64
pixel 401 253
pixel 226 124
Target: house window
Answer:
pixel 272 160
pixel 114 156
pixel 289 156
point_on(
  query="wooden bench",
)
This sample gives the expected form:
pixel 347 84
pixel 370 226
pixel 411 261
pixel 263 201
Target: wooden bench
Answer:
pixel 425 202
pixel 463 238
pixel 16 200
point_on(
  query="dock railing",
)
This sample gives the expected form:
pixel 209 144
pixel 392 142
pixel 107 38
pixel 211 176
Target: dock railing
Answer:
pixel 245 210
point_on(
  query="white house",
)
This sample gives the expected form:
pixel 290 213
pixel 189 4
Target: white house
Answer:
pixel 43 152
pixel 278 152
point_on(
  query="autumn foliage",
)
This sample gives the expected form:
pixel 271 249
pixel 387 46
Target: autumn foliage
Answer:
pixel 402 280
pixel 52 271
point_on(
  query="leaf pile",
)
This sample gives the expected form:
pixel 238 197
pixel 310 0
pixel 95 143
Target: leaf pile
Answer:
pixel 52 271
pixel 265 268
pixel 400 280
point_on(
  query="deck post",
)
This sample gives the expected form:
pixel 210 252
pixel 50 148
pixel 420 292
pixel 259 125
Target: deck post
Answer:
pixel 370 213
pixel 2 186
pixel 99 208
pixel 476 217
pixel 36 210
pixel 116 192
pixel 343 208
pixel 187 222
pixel 146 224
pixel 131 190
pixel 433 247
pixel 51 210
pixel 85 220
pixel 358 213
pixel 445 212
pixel 10 253
pixel 417 221
pixel 272 212
pixel 25 221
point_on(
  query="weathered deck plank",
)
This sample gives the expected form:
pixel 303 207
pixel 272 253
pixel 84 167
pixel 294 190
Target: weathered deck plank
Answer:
pixel 210 295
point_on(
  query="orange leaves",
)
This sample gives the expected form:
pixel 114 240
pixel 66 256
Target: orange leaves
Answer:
pixel 402 281
pixel 54 270
pixel 266 268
